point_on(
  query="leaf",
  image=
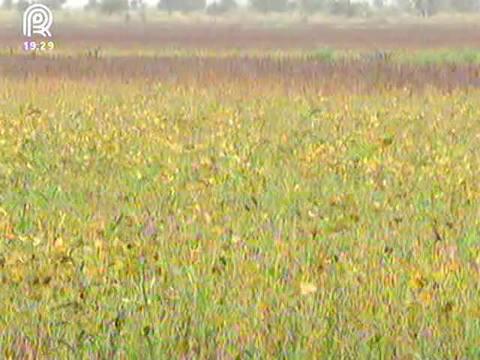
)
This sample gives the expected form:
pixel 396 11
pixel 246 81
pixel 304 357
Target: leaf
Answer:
pixel 307 288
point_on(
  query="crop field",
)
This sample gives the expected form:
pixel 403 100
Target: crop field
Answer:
pixel 247 36
pixel 240 200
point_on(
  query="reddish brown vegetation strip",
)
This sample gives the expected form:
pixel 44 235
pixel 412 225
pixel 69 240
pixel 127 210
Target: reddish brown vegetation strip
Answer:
pixel 348 75
pixel 238 36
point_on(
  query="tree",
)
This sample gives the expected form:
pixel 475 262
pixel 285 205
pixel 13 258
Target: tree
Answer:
pixel 428 8
pixel 142 11
pixel 309 6
pixel 184 6
pixel 22 5
pixel 221 7
pixel 53 4
pixel 110 7
pixel 466 5
pixel 349 8
pixel 341 7
pixel 405 5
pixel 7 4
pixel 92 5
pixel 266 6
pixel 166 5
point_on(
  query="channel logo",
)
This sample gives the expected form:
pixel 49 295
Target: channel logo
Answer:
pixel 37 20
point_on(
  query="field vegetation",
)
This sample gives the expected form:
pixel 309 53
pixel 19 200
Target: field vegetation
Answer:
pixel 233 201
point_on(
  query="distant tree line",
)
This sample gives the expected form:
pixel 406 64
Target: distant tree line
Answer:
pixel 424 8
pixel 336 7
pixel 21 5
pixel 430 7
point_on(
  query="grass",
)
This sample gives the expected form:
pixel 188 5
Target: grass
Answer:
pixel 461 56
pixel 206 203
pixel 175 222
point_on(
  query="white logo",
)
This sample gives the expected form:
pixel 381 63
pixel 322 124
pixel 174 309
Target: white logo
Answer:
pixel 37 19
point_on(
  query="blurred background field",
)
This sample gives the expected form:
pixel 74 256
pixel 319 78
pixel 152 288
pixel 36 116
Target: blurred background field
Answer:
pixel 198 186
